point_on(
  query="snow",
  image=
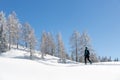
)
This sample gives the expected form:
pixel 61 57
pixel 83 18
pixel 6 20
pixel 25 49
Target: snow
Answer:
pixel 14 66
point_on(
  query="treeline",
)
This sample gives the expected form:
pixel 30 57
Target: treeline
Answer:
pixel 13 32
pixel 107 59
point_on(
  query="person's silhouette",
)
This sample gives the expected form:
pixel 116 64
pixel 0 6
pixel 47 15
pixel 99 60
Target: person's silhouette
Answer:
pixel 87 56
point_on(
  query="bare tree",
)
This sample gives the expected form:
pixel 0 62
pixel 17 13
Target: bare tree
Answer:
pixel 86 42
pixel 61 49
pixel 26 28
pixel 28 37
pixel 32 42
pixel 43 44
pixel 50 44
pixel 75 45
pixel 14 28
pixel 47 45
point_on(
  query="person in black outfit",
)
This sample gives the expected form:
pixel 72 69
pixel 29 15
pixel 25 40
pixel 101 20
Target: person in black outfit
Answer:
pixel 87 55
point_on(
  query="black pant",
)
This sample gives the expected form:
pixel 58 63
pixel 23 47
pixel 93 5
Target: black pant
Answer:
pixel 87 58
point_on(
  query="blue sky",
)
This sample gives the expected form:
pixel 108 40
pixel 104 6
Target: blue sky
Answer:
pixel 100 18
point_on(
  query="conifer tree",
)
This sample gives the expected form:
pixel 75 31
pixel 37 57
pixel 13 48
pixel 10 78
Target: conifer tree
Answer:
pixel 3 33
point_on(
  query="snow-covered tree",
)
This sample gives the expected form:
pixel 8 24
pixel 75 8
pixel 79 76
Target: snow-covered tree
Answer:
pixel 75 45
pixel 3 33
pixel 94 57
pixel 26 28
pixel 31 41
pixel 105 59
pixel 14 28
pixel 47 45
pixel 109 59
pixel 61 49
pixel 86 42
pixel 50 44
pixel 116 59
pixel 43 44
pixel 28 38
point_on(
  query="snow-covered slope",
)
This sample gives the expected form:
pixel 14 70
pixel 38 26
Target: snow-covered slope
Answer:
pixel 22 54
pixel 18 68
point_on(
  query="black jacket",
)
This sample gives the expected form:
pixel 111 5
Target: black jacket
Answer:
pixel 87 53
